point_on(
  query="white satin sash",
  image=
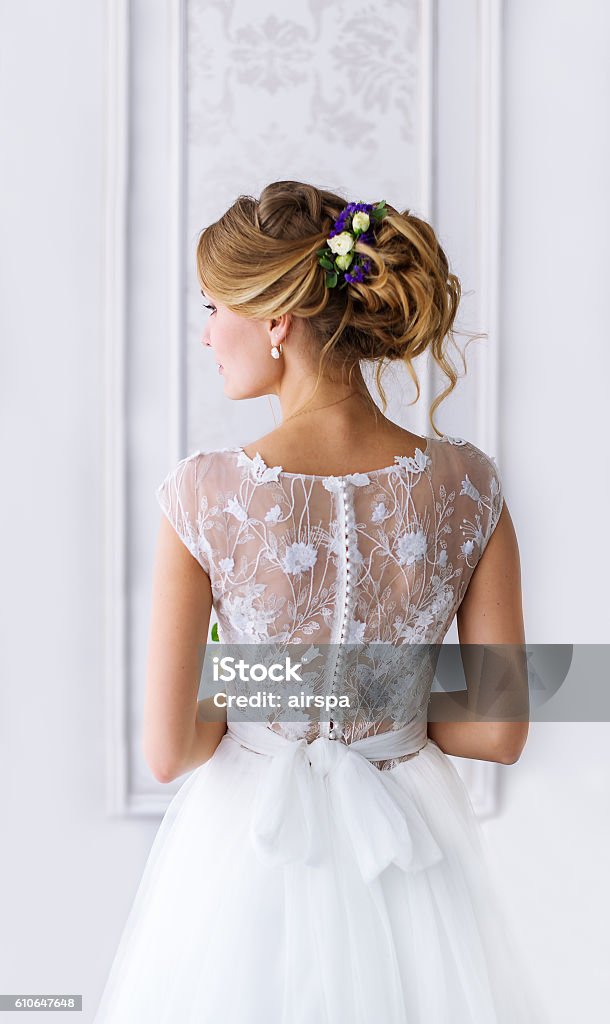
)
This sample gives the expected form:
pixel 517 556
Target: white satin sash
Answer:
pixel 307 789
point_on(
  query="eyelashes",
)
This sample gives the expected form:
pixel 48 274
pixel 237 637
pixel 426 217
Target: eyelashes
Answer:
pixel 213 308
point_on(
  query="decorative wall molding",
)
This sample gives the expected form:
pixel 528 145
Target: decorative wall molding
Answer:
pixel 177 227
pixel 128 794
pixel 489 165
pixel 482 777
pixel 115 432
pixel 429 179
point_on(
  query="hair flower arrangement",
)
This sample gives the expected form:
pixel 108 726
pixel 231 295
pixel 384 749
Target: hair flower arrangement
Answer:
pixel 338 258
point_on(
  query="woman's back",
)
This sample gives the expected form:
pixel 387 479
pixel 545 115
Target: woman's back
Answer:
pixel 378 560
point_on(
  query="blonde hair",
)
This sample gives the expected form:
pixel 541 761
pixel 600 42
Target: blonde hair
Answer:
pixel 259 259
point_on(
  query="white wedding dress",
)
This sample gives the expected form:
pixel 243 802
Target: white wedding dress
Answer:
pixel 327 872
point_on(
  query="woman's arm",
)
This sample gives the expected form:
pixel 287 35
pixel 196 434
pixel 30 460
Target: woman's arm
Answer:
pixel 491 613
pixel 175 740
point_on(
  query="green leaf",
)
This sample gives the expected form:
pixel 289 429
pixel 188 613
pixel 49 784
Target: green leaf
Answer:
pixel 215 632
pixel 327 264
pixel 331 280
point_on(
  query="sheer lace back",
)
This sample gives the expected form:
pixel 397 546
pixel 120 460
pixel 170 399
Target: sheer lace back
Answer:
pixel 368 562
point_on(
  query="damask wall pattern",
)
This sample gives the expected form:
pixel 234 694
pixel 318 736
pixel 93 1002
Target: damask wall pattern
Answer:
pixel 324 92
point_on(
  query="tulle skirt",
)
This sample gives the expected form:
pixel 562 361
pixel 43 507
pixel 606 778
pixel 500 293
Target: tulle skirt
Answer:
pixel 281 890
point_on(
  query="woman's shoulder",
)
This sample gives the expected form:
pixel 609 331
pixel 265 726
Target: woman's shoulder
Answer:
pixel 462 451
pixel 189 473
pixel 475 472
pixel 461 462
pixel 206 457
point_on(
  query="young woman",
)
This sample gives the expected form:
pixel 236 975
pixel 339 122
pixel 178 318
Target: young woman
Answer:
pixel 324 866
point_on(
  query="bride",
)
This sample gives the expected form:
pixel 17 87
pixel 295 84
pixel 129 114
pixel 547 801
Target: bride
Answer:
pixel 323 864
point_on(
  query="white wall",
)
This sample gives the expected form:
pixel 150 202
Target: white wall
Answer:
pixel 67 873
pixel 551 843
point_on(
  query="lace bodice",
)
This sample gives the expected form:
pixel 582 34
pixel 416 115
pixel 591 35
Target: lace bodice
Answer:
pixel 367 563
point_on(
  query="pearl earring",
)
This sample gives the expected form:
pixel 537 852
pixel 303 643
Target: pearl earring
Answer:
pixel 275 351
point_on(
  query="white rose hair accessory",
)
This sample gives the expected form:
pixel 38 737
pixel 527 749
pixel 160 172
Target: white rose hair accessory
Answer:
pixel 338 258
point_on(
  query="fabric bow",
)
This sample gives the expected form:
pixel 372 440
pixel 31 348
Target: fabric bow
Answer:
pixel 306 786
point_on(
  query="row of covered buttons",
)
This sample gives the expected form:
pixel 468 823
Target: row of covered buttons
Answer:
pixel 349 524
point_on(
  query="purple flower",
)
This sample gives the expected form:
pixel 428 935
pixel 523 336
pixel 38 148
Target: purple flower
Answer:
pixel 344 223
pixel 355 275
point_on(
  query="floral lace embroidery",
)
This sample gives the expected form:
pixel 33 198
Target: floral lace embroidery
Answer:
pixel 381 558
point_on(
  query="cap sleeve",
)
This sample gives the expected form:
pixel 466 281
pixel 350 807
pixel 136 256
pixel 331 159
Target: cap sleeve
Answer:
pixel 181 496
pixel 496 500
pixel 484 485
